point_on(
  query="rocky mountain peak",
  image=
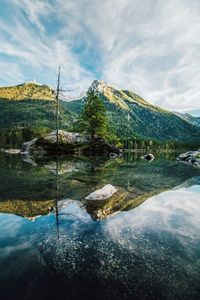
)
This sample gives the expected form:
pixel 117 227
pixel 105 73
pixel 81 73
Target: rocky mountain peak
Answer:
pixel 32 82
pixel 99 86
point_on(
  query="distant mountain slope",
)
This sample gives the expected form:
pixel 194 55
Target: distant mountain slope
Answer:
pixel 27 91
pixel 189 118
pixel 131 116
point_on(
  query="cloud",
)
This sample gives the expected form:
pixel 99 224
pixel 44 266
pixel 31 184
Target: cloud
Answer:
pixel 148 46
pixel 37 54
pixel 34 10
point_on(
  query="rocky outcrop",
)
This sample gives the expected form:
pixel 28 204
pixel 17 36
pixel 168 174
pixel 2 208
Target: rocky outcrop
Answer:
pixel 100 86
pixel 191 158
pixel 69 142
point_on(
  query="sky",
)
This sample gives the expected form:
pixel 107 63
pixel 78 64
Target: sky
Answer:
pixel 151 47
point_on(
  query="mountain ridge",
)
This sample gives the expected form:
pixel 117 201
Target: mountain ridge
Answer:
pixel 130 116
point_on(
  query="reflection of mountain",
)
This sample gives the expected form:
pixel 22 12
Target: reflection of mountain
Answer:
pixel 26 186
pixel 123 200
pixel 27 209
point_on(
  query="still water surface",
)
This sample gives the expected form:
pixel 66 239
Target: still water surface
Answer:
pixel 143 245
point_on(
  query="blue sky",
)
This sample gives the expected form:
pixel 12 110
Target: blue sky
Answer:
pixel 151 47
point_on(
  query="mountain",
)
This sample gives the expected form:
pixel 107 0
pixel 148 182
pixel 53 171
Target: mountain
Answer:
pixel 189 118
pixel 28 110
pixel 132 117
pixel 27 91
pixel 27 209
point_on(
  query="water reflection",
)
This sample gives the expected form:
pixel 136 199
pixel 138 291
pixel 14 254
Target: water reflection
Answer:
pixel 151 252
pixel 32 186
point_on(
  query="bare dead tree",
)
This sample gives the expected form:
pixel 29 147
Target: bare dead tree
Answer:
pixel 56 200
pixel 57 105
pixel 60 94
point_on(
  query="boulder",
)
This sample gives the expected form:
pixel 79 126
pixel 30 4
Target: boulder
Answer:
pixel 102 194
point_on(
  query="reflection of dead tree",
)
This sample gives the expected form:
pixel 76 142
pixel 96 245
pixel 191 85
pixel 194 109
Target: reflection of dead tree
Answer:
pixel 56 199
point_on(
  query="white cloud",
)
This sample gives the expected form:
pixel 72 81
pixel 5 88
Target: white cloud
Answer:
pixel 149 46
pixel 34 10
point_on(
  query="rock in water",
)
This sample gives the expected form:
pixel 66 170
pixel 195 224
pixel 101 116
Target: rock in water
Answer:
pixel 102 194
pixel 149 157
pixel 191 158
pixel 69 142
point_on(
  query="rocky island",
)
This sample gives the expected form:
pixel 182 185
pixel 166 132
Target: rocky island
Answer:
pixel 69 143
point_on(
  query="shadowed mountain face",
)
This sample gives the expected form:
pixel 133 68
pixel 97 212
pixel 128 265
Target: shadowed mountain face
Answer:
pixel 29 186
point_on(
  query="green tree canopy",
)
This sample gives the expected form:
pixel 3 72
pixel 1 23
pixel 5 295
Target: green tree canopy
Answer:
pixel 93 119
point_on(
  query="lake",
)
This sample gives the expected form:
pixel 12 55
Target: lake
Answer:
pixel 143 244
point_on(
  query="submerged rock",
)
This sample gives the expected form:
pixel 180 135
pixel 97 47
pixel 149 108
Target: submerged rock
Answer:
pixel 190 157
pixel 69 142
pixel 102 194
pixel 122 200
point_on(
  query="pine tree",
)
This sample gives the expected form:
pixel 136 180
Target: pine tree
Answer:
pixel 93 119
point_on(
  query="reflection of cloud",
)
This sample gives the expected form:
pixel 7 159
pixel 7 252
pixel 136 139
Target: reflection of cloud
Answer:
pixel 174 212
pixel 8 250
pixel 11 229
pixel 73 215
pixel 10 225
